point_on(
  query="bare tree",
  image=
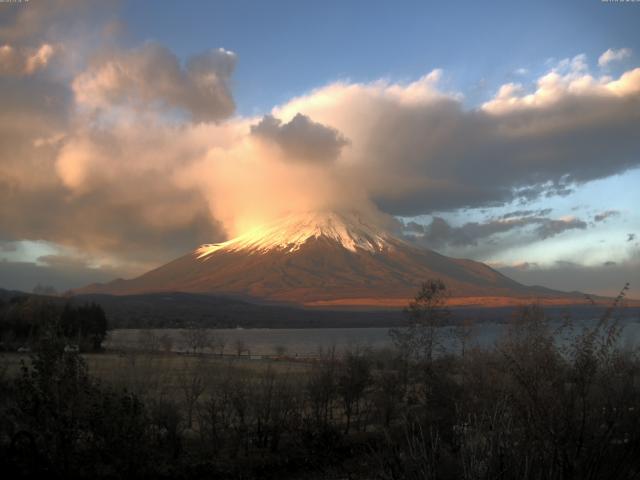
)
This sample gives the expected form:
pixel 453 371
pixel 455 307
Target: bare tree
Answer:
pixel 322 389
pixel 218 343
pixel 426 313
pixel 196 339
pixel 166 342
pixel 463 333
pixel 240 346
pixel 388 395
pixel 192 386
pixel 148 340
pixel 353 380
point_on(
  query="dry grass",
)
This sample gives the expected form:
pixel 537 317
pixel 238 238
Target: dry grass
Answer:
pixel 162 375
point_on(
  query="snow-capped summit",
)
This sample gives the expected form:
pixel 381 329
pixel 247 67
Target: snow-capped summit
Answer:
pixel 351 230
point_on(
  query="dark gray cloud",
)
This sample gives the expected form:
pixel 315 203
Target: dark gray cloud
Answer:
pixel 413 227
pixel 62 276
pixel 631 237
pixel 527 213
pixel 566 263
pixel 526 265
pixel 8 246
pixel 607 278
pixel 440 233
pixel 602 216
pixel 450 158
pixel 301 139
pixel 549 228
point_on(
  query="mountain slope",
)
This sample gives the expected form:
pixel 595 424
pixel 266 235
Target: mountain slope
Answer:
pixel 321 259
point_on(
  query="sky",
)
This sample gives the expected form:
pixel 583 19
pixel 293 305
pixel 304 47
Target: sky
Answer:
pixel 505 132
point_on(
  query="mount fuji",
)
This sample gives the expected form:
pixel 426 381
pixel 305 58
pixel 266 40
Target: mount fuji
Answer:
pixel 328 259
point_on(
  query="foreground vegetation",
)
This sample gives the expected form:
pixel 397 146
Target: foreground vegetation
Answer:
pixel 530 408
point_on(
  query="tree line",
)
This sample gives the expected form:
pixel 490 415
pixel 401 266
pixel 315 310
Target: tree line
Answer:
pixel 24 319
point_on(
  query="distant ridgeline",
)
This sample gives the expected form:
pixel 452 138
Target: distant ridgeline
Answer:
pixel 181 310
pixel 25 318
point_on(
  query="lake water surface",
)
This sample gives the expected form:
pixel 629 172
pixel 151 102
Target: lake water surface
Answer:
pixel 308 341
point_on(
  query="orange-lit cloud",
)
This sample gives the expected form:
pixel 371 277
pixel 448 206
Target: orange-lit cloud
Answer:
pixel 24 61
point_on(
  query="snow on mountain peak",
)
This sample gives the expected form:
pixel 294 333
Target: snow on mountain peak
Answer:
pixel 351 230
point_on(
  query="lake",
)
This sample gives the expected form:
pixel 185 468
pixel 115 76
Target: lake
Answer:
pixel 308 341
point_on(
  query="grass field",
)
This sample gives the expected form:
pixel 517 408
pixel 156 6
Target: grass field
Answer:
pixel 167 375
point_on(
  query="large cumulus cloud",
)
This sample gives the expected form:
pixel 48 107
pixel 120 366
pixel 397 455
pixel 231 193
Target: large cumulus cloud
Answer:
pixel 419 150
